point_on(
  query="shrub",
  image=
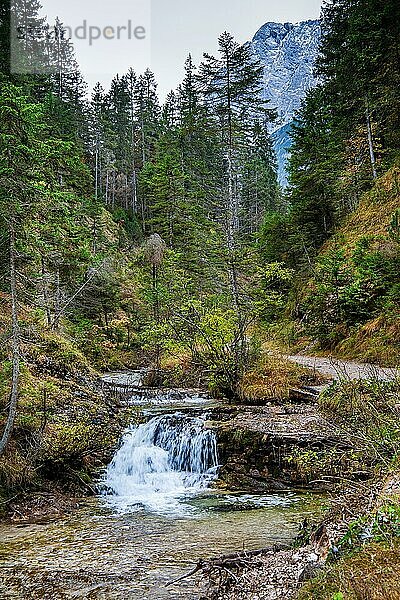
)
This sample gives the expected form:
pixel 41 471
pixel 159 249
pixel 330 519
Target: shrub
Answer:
pixel 368 411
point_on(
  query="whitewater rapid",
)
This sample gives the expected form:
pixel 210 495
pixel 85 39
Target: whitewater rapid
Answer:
pixel 161 463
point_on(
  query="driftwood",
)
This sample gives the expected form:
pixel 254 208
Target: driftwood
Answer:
pixel 237 560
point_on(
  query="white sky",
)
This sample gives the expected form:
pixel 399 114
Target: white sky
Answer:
pixel 174 28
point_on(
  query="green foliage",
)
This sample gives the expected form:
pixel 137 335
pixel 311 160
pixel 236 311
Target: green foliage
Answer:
pixel 369 573
pixel 67 443
pixel 275 281
pixel 347 291
pixel 63 426
pixel 394 228
pixel 314 464
pixel 364 562
pixel 382 525
pixel 175 321
pixel 60 352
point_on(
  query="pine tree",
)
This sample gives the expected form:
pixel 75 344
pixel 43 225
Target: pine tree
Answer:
pixel 231 86
pixel 29 39
pixel 259 184
pixel 16 193
pixel 314 168
pixel 147 115
pixel 147 112
pixel 96 138
pixel 5 41
pixel 131 79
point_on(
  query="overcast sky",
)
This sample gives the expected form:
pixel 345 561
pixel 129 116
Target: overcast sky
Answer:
pixel 173 29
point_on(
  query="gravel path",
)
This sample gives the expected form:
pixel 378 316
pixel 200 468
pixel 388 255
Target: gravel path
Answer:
pixel 343 369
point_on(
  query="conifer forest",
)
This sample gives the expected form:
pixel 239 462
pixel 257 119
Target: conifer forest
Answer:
pixel 199 362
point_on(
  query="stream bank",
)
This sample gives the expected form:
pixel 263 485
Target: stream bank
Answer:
pixel 65 430
pixel 355 550
pixel 158 512
pixel 259 445
pixel 353 553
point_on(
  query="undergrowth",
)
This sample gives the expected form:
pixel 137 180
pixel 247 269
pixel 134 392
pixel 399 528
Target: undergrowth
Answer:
pixel 271 378
pixel 65 428
pixel 368 412
pixel 364 563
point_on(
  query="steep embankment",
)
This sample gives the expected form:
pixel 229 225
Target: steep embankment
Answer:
pixel 351 440
pixel 375 212
pixel 364 570
pixel 351 306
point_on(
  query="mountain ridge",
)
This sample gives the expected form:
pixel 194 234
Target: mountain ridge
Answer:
pixel 288 52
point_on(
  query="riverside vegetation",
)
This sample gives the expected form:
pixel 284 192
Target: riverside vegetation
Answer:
pixel 134 233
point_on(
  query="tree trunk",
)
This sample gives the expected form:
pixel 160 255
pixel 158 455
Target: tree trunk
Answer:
pixel 57 303
pixel 113 190
pixel 45 292
pixel 107 186
pixel 12 408
pixel 94 234
pixel 96 188
pixel 370 140
pixel 134 175
pixel 240 346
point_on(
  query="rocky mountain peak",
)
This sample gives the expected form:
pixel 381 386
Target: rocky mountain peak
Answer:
pixel 288 52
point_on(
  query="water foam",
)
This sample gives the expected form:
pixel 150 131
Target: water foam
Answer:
pixel 160 463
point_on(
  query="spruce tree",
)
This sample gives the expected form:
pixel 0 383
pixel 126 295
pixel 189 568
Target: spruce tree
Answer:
pixel 231 86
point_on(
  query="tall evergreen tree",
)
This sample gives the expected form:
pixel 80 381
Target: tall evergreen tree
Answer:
pixel 231 86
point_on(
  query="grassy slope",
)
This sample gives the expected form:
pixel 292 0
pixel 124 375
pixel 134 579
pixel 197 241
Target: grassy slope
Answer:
pixel 379 339
pixel 370 573
pixel 370 570
pixel 366 563
pixel 374 214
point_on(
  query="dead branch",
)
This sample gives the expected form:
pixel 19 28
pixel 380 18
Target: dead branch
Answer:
pixel 237 560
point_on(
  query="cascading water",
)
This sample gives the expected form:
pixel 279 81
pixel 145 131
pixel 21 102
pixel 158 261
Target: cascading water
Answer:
pixel 162 462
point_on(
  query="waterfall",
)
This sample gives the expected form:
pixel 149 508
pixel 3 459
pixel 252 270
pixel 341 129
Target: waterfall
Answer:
pixel 161 462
